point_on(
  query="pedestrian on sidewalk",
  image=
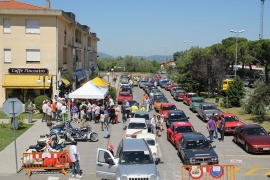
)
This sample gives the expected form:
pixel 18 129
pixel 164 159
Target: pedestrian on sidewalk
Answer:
pixel 158 123
pixel 117 111
pixel 30 110
pixel 222 128
pixel 75 113
pixel 89 111
pixel 106 125
pixel 154 125
pixel 49 112
pixel 75 158
pixel 44 109
pixel 54 109
pixel 59 105
pixel 147 102
pixel 215 118
pixel 97 114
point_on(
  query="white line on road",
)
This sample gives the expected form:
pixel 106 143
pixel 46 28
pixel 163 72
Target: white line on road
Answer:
pixel 53 178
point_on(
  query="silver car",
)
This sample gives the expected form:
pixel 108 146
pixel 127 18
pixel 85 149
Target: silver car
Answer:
pixel 133 160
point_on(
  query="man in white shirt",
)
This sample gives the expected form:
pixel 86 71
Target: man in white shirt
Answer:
pixel 111 101
pixel 59 106
pixel 154 124
pixel 44 110
pixel 75 158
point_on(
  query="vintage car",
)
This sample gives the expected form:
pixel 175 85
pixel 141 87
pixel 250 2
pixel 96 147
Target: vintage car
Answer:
pixel 195 102
pixel 206 110
pixel 176 130
pixel 195 149
pixel 253 137
pixel 162 83
pixel 165 108
pixel 124 83
pixel 142 82
pixel 149 88
pixel 188 96
pixel 232 122
pixel 158 102
pixel 175 89
pixel 178 95
pixel 130 162
pixel 169 85
pixel 175 116
pixel 122 96
pixel 155 91
pixel 146 85
pixel 152 143
pixel 126 89
pixel 145 115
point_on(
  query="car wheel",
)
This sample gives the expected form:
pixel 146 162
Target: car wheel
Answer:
pixel 235 139
pixel 246 148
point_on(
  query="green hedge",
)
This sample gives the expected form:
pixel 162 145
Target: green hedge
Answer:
pixel 39 100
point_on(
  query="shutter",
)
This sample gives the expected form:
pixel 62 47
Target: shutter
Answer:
pixel 6 25
pixel 32 26
pixel 33 55
pixel 7 55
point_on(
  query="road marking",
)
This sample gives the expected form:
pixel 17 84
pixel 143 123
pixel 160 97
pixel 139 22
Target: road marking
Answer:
pixel 247 156
pixel 267 174
pixel 253 170
pixel 53 178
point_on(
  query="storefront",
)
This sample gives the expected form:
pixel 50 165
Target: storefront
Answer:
pixel 67 83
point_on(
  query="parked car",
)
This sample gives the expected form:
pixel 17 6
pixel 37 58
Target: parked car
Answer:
pixel 126 89
pixel 169 84
pixel 142 82
pixel 158 102
pixel 169 88
pixel 146 85
pixel 232 122
pixel 165 108
pixel 122 96
pixel 162 83
pixel 175 89
pixel 130 162
pixel 175 116
pixel 188 96
pixel 152 143
pixel 195 149
pixel 206 110
pixel 124 83
pixel 145 115
pixel 149 88
pixel 253 137
pixel 155 91
pixel 178 95
pixel 195 102
pixel 176 130
pixel 136 126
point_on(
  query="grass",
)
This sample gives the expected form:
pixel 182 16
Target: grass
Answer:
pixel 6 135
pixel 246 118
pixel 25 116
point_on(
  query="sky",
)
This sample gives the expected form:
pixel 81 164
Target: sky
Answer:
pixel 141 27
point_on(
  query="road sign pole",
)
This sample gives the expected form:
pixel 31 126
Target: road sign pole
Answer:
pixel 14 129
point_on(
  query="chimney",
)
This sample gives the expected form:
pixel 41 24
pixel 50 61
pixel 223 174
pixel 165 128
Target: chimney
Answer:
pixel 48 4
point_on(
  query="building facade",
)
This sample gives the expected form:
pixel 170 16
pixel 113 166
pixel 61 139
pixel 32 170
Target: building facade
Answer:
pixel 43 51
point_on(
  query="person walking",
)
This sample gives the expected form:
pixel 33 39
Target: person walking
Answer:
pixel 30 109
pixel 117 111
pixel 101 118
pixel 97 114
pixel 89 110
pixel 84 115
pixel 211 128
pixel 75 158
pixel 154 124
pixel 147 103
pixel 216 126
pixel 159 121
pixel 142 108
pixel 222 128
pixel 44 109
pixel 58 112
pixel 126 107
pixel 49 112
pixel 106 126
pixel 75 113
pixel 64 112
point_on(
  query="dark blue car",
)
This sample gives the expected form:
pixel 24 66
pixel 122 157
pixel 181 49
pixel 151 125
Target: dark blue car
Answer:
pixel 163 83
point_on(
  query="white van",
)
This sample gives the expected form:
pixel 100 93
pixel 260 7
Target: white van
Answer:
pixel 136 126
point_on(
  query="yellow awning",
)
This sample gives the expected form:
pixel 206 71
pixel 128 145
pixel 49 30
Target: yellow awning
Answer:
pixel 65 80
pixel 100 82
pixel 25 81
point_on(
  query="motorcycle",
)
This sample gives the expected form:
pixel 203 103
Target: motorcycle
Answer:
pixel 61 127
pixel 59 140
pixel 83 133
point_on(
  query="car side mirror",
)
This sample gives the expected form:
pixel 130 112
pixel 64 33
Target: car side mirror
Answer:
pixel 157 161
pixel 214 146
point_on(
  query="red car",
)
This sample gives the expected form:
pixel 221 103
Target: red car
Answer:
pixel 178 95
pixel 176 130
pixel 187 97
pixel 231 122
pixel 169 86
pixel 253 137
pixel 165 108
pixel 122 96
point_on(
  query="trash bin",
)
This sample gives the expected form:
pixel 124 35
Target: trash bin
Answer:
pixel 217 100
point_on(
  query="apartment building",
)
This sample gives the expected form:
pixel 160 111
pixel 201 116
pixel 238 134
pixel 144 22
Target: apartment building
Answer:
pixel 43 51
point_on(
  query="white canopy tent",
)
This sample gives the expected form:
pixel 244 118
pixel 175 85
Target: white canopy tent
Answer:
pixel 89 91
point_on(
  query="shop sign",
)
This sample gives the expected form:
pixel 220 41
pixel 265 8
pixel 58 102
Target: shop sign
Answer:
pixel 28 71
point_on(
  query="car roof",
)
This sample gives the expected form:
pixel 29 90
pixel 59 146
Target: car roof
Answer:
pixel 136 120
pixel 134 144
pixel 146 135
pixel 251 126
pixel 141 112
pixel 193 136
pixel 167 104
pixel 197 97
pixel 178 124
pixel 176 111
pixel 124 92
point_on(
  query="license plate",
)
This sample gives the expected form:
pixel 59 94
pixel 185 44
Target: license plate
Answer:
pixel 204 163
pixel 266 148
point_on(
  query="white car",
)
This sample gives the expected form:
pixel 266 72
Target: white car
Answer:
pixel 124 83
pixel 152 143
pixel 136 126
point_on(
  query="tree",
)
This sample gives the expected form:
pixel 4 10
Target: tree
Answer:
pixel 235 93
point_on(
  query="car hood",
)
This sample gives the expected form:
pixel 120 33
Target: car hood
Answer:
pixel 178 135
pixel 165 111
pixel 233 124
pixel 133 169
pixel 201 153
pixel 258 140
pixel 210 112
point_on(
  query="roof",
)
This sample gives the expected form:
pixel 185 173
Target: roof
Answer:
pixel 141 112
pixel 177 124
pixel 13 4
pixel 136 120
pixel 193 136
pixel 167 104
pixel 134 145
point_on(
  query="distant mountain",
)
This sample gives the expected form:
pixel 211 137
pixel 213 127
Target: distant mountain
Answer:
pixel 103 55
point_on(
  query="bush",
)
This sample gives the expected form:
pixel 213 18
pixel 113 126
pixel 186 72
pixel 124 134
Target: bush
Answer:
pixel 20 122
pixel 39 100
pixel 112 93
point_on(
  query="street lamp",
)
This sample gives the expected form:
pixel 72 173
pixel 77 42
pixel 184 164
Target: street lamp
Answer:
pixel 44 81
pixel 187 43
pixel 151 53
pixel 233 31
pixel 108 73
pixel 165 46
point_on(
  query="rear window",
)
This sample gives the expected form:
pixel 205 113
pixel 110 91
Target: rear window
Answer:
pixel 125 94
pixel 136 126
pixel 177 116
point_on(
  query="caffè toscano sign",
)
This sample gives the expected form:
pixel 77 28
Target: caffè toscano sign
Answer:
pixel 28 71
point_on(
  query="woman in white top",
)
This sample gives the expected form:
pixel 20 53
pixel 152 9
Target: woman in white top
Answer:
pixel 64 112
pixel 159 124
pixel 117 110
pixel 49 112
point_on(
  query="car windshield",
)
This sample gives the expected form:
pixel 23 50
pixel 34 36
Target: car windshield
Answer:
pixel 180 92
pixel 192 95
pixel 198 144
pixel 124 94
pixel 126 90
pixel 155 90
pixel 168 108
pixel 255 131
pixel 231 119
pixel 150 142
pixel 177 116
pixel 131 103
pixel 164 82
pixel 198 100
pixel 136 157
pixel 136 125
pixel 209 107
pixel 183 129
pixel 145 116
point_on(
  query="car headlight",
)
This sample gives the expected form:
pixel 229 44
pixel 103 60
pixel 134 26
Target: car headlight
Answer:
pixel 153 177
pixel 214 158
pixel 124 177
pixel 192 160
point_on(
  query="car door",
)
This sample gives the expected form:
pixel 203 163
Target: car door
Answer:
pixel 103 169
pixel 181 148
pixel 241 137
pixel 172 133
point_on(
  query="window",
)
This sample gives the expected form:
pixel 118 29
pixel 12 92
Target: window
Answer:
pixel 64 56
pixel 32 55
pixel 7 55
pixel 6 25
pixel 32 26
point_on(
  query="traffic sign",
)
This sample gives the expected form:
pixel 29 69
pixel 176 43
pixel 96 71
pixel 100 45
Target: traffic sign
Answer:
pixel 8 108
pixel 216 171
pixel 195 172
